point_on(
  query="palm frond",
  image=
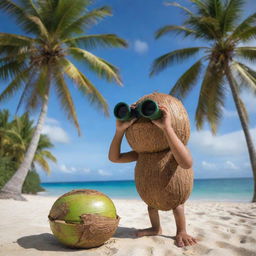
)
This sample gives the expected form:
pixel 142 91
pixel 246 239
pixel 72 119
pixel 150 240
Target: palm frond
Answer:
pixel 174 29
pixel 186 82
pixel 246 76
pixel 247 35
pixel 20 14
pixel 15 85
pixel 211 98
pixel 170 58
pixel 66 99
pixel 231 14
pixel 247 53
pixel 42 30
pixel 15 40
pixel 101 67
pixel 86 21
pixel 244 26
pixel 42 162
pixel 67 11
pixel 183 8
pixel 47 154
pixel 84 85
pixel 92 41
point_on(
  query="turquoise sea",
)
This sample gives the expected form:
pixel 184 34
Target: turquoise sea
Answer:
pixel 236 189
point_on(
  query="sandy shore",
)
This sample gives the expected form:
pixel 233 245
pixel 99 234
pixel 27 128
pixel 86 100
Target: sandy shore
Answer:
pixel 222 228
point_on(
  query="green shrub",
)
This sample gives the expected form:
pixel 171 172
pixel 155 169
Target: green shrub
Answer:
pixel 32 181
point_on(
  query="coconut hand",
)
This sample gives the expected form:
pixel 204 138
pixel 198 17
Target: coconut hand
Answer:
pixel 121 126
pixel 165 121
pixel 180 152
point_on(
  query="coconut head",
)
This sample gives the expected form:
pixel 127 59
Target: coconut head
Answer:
pixel 144 136
pixel 83 218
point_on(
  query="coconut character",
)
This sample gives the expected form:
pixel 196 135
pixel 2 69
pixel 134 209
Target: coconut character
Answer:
pixel 163 172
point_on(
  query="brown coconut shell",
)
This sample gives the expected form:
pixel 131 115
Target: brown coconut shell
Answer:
pixel 144 136
pixel 93 232
pixel 161 182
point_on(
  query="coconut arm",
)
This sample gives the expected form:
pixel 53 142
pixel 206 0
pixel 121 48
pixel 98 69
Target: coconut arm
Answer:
pixel 180 152
pixel 114 154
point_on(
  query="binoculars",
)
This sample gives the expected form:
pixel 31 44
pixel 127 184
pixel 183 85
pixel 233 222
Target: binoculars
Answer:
pixel 147 108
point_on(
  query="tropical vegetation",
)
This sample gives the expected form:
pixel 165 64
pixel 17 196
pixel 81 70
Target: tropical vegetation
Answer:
pixel 40 62
pixel 15 136
pixel 223 63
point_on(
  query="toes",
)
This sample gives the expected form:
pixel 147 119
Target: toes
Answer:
pixel 179 242
pixel 186 242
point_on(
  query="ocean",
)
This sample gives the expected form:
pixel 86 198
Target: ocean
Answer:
pixel 235 189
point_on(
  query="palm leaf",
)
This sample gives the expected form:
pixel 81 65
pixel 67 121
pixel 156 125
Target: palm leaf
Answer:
pixel 244 26
pixel 247 53
pixel 183 8
pixel 15 40
pixel 176 29
pixel 232 13
pixel 47 154
pixel 15 85
pixel 84 85
pixel 101 67
pixel 211 98
pixel 246 75
pixel 186 82
pixel 20 14
pixel 247 35
pixel 66 99
pixel 86 21
pixel 170 58
pixel 92 41
pixel 42 162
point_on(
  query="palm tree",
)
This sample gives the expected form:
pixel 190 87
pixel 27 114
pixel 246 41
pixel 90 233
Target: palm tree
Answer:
pixel 17 135
pixel 220 62
pixel 40 61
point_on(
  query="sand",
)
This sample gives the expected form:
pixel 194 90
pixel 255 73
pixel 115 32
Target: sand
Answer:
pixel 222 228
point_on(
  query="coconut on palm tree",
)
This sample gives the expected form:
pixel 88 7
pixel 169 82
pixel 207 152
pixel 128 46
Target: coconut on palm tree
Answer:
pixel 223 61
pixel 40 62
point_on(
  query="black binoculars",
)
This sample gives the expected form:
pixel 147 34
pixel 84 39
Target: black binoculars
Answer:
pixel 147 108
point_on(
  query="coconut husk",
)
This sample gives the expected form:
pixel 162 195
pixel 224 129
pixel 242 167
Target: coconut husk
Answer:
pixel 93 232
pixel 144 136
pixel 84 230
pixel 161 182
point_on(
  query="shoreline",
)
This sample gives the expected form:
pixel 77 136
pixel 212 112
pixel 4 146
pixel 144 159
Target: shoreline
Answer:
pixel 222 228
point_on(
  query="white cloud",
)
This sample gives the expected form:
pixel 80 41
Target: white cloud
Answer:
pixel 249 101
pixel 140 46
pixel 229 144
pixel 103 173
pixel 208 166
pixel 71 169
pixel 54 131
pixel 231 165
pixel 229 113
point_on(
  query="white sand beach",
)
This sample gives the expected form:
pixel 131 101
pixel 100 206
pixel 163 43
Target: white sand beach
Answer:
pixel 222 228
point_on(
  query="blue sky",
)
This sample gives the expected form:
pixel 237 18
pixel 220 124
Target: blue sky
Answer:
pixel 85 158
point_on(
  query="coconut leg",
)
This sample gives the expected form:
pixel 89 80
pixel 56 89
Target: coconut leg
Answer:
pixel 155 222
pixel 182 238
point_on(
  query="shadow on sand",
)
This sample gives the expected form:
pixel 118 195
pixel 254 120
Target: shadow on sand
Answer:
pixel 47 242
pixel 42 242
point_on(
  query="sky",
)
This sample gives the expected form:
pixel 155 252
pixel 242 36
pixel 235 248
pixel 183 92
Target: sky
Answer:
pixel 85 158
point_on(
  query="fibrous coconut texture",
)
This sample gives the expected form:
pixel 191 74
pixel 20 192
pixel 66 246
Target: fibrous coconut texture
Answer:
pixel 83 218
pixel 160 181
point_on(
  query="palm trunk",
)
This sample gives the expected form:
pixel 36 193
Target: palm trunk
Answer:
pixel 13 188
pixel 245 127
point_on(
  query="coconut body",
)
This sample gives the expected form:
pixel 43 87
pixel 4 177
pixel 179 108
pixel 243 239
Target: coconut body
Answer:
pixel 160 181
pixel 83 218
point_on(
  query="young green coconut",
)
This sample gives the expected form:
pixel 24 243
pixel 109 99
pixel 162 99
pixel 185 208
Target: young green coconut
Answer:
pixel 83 218
pixel 160 181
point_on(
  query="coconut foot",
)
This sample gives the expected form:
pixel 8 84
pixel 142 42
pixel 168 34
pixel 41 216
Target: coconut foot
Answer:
pixel 183 239
pixel 148 232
